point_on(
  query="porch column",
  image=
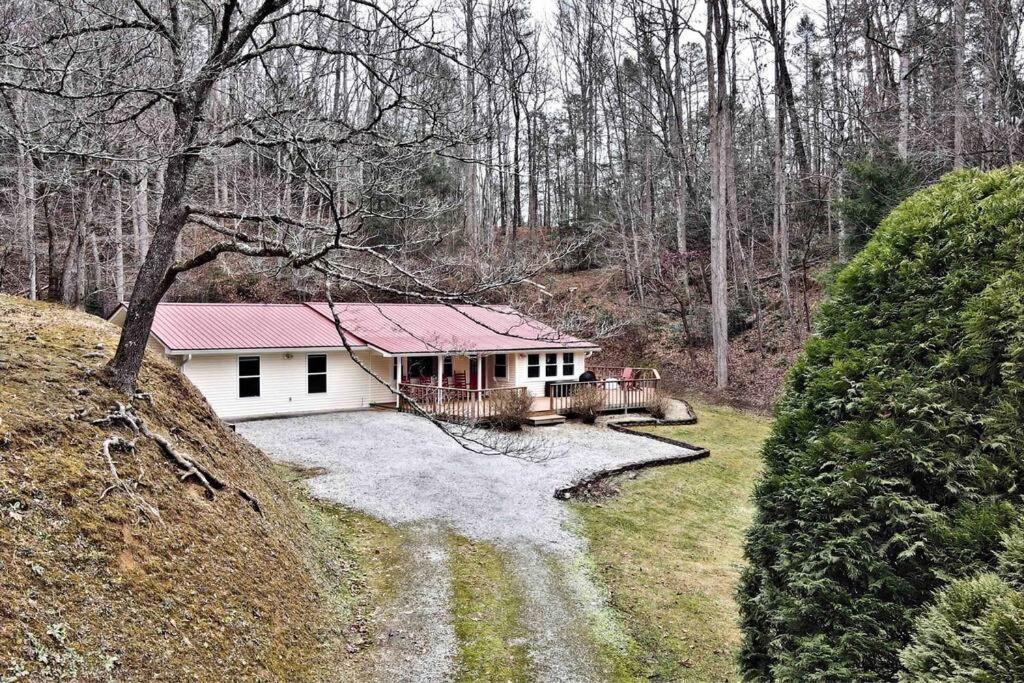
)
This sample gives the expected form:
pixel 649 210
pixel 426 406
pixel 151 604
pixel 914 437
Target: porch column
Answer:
pixel 397 362
pixel 479 376
pixel 440 379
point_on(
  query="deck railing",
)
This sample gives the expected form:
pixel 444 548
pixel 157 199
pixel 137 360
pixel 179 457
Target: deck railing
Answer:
pixel 464 406
pixel 611 394
pixel 606 371
pixel 472 406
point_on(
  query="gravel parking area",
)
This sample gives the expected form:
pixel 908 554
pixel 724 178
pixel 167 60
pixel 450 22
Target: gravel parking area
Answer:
pixel 405 471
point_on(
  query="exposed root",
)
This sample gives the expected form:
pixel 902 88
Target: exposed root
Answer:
pixel 144 506
pixel 127 417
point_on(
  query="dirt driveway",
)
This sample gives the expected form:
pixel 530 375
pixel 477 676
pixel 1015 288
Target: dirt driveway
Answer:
pixel 405 471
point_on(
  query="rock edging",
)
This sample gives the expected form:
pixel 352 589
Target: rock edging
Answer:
pixel 627 427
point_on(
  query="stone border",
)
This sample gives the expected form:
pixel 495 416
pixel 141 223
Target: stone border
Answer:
pixel 627 427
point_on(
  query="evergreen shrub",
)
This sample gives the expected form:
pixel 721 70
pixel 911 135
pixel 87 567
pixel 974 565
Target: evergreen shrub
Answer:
pixel 896 460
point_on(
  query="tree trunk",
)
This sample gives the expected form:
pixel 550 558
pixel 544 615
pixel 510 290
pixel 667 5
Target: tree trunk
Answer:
pixel 906 62
pixel 118 241
pixel 716 48
pixel 27 215
pixel 142 209
pixel 959 19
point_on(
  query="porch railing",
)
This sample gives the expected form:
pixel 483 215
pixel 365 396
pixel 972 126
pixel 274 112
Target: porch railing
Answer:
pixel 606 371
pixel 464 406
pixel 606 394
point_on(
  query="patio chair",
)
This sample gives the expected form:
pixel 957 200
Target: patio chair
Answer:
pixel 459 380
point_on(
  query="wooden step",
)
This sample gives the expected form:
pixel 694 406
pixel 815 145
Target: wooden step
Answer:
pixel 545 419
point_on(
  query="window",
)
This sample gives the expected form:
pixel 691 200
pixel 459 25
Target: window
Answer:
pixel 533 365
pixel 501 365
pixel 449 369
pixel 568 364
pixel 316 373
pixel 423 367
pixel 551 365
pixel 248 376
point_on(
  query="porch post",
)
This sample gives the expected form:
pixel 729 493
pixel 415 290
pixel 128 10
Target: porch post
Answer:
pixel 440 373
pixel 398 380
pixel 479 376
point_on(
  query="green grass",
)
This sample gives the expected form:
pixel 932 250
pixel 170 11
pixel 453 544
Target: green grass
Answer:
pixel 358 559
pixel 669 550
pixel 487 614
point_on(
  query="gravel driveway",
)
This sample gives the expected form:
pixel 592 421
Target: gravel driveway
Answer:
pixel 405 471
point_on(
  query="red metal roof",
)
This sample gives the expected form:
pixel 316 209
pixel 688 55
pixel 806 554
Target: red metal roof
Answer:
pixel 208 327
pixel 392 328
pixel 434 328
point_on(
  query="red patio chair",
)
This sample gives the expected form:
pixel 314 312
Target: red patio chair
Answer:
pixel 459 380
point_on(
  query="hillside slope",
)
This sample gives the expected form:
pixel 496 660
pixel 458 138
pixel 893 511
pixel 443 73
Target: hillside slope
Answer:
pixel 95 587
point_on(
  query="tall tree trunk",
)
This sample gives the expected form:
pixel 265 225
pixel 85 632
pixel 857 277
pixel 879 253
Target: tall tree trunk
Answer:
pixel 118 241
pixel 142 206
pixel 959 90
pixel 906 64
pixel 716 49
pixel 27 216
pixel 473 219
pixel 781 213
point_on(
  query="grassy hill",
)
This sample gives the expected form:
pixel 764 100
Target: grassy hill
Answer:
pixel 147 576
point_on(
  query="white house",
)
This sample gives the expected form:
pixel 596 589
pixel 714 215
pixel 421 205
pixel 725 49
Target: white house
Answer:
pixel 263 360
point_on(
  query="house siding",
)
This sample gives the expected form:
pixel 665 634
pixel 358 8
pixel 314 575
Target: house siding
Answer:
pixel 535 385
pixel 283 387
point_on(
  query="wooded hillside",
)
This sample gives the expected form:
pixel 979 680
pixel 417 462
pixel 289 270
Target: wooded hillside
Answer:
pixel 717 155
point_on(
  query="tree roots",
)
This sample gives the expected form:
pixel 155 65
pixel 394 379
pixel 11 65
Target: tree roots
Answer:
pixel 125 416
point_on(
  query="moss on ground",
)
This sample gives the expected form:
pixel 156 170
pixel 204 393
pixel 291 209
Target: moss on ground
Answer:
pixel 358 561
pixel 93 589
pixel 487 615
pixel 669 550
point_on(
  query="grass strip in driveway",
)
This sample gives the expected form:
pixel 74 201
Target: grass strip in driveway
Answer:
pixel 669 550
pixel 487 614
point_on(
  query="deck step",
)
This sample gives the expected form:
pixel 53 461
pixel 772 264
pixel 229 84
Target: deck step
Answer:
pixel 545 419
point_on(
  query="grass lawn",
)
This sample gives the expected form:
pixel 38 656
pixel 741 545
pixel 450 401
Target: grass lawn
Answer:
pixel 669 550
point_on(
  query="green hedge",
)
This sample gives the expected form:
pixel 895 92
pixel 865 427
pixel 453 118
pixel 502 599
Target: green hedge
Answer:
pixel 975 631
pixel 895 463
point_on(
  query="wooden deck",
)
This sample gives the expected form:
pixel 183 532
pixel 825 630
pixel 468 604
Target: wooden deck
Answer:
pixel 471 406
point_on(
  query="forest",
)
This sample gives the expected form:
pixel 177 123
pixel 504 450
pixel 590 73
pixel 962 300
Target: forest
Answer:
pixel 715 160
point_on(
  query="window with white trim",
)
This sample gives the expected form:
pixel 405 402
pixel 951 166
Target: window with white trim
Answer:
pixel 316 373
pixel 248 376
pixel 551 365
pixel 501 366
pixel 533 365
pixel 569 364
